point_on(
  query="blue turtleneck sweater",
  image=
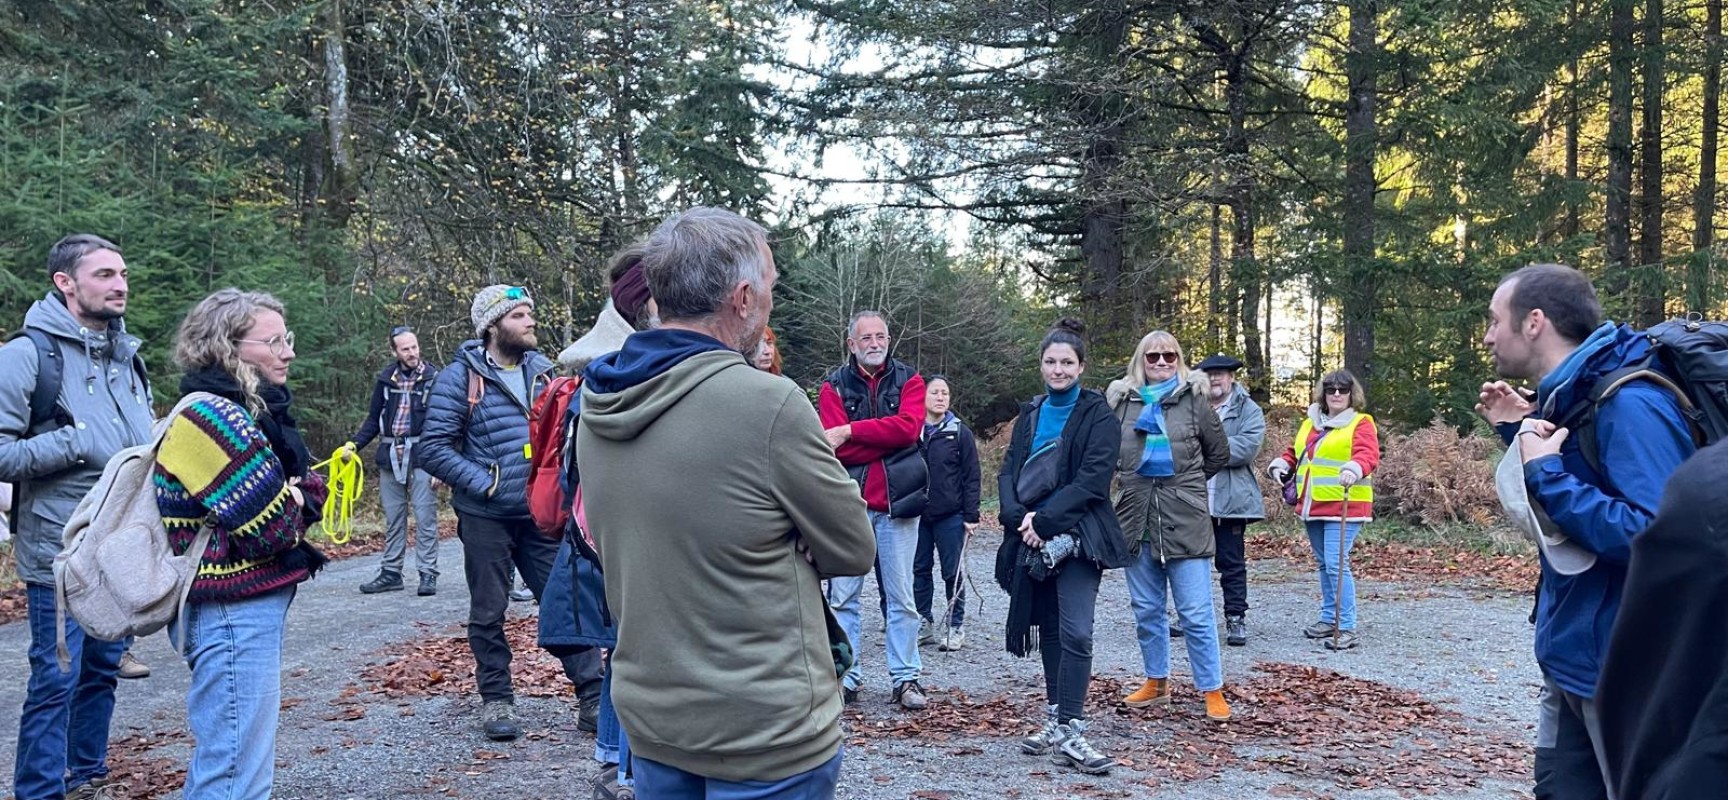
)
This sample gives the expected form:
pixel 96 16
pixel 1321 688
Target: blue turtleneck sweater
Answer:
pixel 1053 417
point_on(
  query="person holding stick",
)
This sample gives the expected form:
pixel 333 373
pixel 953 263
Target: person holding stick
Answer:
pixel 1339 449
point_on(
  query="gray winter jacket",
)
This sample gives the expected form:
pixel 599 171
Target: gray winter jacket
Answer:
pixel 1235 491
pixel 482 452
pixel 55 465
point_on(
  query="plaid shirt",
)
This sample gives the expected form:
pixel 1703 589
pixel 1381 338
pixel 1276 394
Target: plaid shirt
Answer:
pixel 401 425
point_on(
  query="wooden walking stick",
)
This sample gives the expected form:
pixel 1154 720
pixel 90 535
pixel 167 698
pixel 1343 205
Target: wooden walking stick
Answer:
pixel 1338 594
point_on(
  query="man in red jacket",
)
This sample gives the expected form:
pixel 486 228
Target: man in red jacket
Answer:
pixel 872 410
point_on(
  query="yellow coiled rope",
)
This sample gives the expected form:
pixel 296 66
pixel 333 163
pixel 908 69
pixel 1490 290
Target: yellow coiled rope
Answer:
pixel 345 481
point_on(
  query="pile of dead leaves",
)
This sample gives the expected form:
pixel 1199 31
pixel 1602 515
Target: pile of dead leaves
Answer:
pixel 1409 563
pixel 1289 718
pixel 133 765
pixel 440 663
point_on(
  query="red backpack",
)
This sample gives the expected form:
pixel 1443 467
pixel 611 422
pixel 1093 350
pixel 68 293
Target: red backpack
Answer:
pixel 548 434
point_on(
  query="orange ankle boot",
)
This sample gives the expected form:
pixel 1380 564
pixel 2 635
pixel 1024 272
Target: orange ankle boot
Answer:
pixel 1154 692
pixel 1217 707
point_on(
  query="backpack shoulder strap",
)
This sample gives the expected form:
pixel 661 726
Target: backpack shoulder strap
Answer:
pixel 50 370
pixel 1581 418
pixel 476 390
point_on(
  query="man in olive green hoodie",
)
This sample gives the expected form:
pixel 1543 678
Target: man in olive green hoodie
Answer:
pixel 717 507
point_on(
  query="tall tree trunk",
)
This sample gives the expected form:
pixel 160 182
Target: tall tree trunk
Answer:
pixel 1244 262
pixel 1651 274
pixel 1570 227
pixel 1704 199
pixel 1215 276
pixel 1361 146
pixel 1099 108
pixel 1617 227
pixel 344 176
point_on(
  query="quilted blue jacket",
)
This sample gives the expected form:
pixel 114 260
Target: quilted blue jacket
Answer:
pixel 482 453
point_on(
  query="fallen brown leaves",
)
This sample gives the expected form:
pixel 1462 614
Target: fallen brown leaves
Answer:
pixel 1408 563
pixel 1290 718
pixel 441 664
pixel 130 763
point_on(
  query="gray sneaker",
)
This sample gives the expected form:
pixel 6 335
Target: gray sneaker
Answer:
pixel 910 696
pixel 1047 739
pixel 522 594
pixel 955 639
pixel 131 668
pixel 1318 630
pixel 498 719
pixel 926 633
pixel 1079 753
pixel 428 585
pixel 98 789
pixel 1345 640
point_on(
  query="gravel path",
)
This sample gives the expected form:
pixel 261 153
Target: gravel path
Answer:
pixel 1466 651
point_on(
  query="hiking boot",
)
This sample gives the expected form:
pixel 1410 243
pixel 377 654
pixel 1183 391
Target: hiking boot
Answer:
pixel 522 594
pixel 1046 739
pixel 588 714
pixel 98 789
pixel 131 668
pixel 1318 630
pixel 910 696
pixel 848 695
pixel 926 633
pixel 385 582
pixel 607 787
pixel 1217 708
pixel 1154 692
pixel 1075 751
pixel 1235 631
pixel 498 718
pixel 1346 640
pixel 428 584
pixel 955 639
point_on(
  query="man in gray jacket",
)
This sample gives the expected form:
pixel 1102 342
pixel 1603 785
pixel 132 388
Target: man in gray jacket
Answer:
pixel 1235 493
pixel 53 446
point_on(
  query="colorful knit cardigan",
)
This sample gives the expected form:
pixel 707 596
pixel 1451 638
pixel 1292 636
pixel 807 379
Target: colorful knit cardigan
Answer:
pixel 216 464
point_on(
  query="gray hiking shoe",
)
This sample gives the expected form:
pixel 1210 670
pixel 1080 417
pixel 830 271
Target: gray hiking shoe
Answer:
pixel 385 582
pixel 98 789
pixel 1318 630
pixel 1079 753
pixel 428 585
pixel 1346 640
pixel 926 633
pixel 910 696
pixel 498 719
pixel 522 594
pixel 1235 630
pixel 1046 739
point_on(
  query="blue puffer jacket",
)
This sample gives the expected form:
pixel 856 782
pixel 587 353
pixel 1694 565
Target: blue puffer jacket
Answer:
pixel 481 453
pixel 1642 438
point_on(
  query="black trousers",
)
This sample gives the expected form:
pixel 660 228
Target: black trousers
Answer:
pixel 1231 558
pixel 489 547
pixel 1064 613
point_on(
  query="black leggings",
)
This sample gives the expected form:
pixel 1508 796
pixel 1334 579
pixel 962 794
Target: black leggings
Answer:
pixel 1064 618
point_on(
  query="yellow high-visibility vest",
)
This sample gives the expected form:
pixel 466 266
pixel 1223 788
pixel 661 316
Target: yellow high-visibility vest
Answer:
pixel 1320 472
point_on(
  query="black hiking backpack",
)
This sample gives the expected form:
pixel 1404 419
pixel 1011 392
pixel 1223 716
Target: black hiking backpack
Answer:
pixel 1689 358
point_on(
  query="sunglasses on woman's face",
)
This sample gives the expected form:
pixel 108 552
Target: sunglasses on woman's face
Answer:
pixel 1166 357
pixel 1343 390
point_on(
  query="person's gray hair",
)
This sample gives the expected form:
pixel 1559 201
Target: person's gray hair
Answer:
pixel 67 253
pixel 852 324
pixel 693 260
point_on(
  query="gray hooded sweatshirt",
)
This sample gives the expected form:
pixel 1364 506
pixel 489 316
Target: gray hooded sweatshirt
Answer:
pixel 55 465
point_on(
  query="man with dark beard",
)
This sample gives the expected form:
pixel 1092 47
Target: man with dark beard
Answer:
pixel 476 440
pixel 54 442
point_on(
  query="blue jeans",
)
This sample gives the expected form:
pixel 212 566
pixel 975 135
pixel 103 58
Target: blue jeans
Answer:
pixel 940 538
pixel 657 781
pixel 235 652
pixel 1323 538
pixel 611 745
pixel 64 727
pixel 1190 581
pixel 896 541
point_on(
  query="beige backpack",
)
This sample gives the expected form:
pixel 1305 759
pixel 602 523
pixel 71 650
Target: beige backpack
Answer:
pixel 117 574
